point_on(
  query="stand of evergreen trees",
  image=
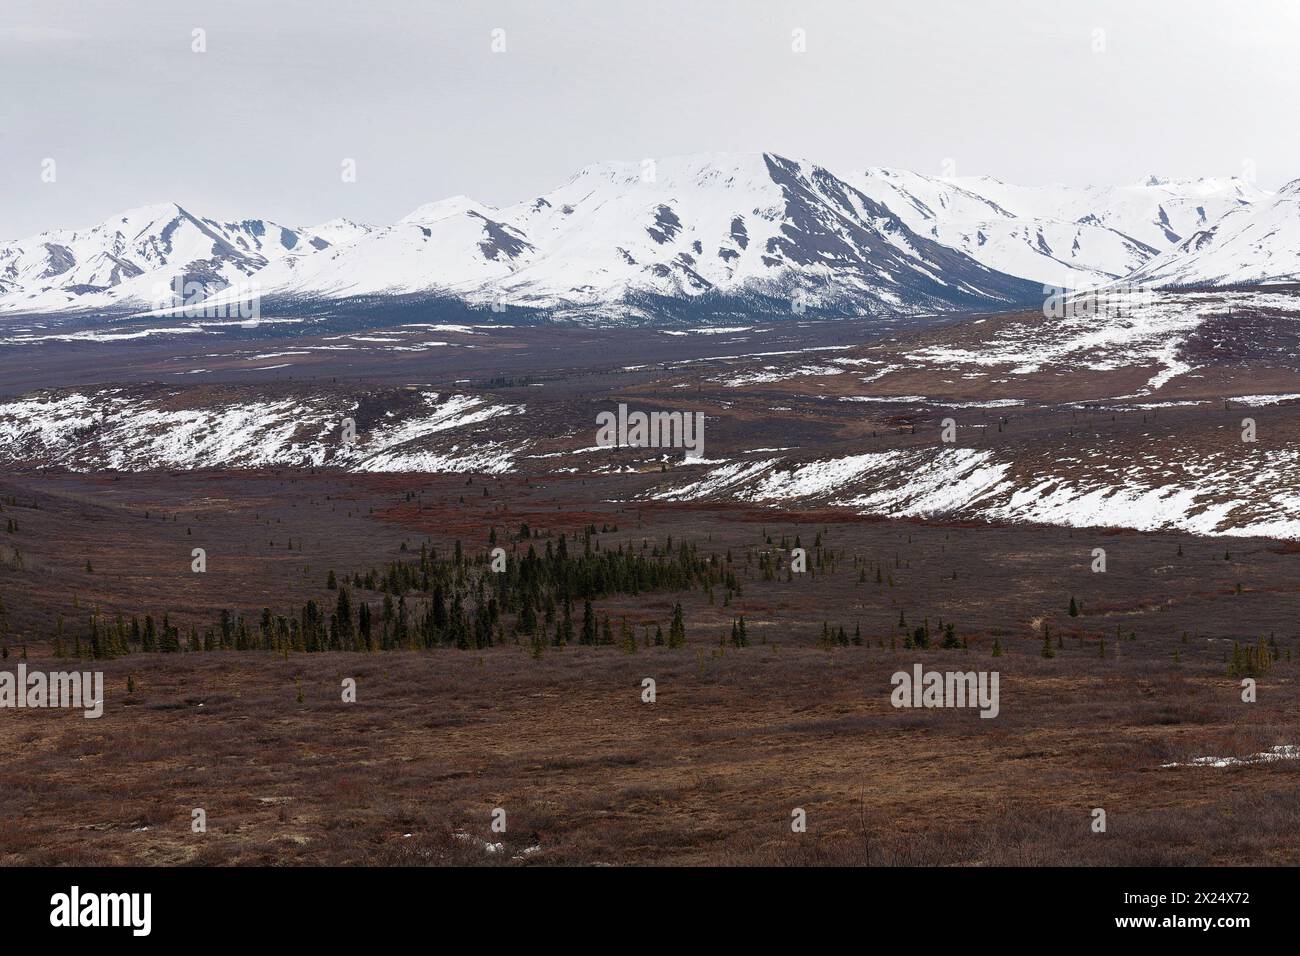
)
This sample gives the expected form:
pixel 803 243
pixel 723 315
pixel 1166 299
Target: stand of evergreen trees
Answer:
pixel 543 599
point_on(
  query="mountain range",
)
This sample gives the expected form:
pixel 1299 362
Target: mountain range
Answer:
pixel 758 231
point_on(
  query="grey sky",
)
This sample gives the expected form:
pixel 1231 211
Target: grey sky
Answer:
pixel 259 124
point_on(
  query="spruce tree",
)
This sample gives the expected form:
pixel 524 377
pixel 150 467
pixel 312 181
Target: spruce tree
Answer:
pixel 677 628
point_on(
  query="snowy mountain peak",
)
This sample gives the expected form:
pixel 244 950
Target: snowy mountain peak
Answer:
pixel 340 231
pixel 151 212
pixel 442 209
pixel 1205 186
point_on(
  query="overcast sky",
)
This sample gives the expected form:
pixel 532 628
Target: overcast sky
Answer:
pixel 260 123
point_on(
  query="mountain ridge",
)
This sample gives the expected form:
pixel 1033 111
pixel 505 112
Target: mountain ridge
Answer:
pixel 742 227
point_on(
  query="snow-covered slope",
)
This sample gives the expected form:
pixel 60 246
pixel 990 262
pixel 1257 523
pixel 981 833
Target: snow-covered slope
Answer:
pixel 1225 494
pixel 1066 236
pixel 1252 244
pixel 127 260
pixel 149 428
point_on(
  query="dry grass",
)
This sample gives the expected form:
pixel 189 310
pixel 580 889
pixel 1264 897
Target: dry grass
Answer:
pixel 709 774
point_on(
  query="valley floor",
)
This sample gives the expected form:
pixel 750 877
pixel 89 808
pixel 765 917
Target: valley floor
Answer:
pixel 737 739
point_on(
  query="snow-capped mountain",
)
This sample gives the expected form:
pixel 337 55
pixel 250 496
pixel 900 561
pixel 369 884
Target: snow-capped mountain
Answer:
pixel 1066 236
pixel 750 225
pixel 454 246
pixel 1156 211
pixel 131 259
pixel 733 231
pixel 1253 244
